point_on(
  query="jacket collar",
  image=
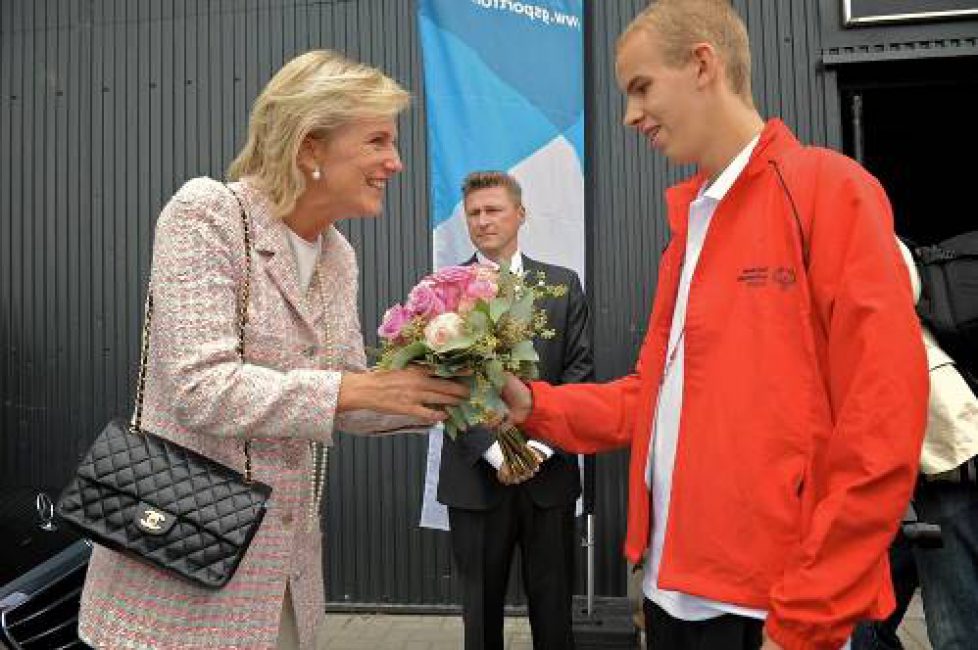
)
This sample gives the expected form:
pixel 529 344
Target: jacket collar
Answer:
pixel 519 256
pixel 527 261
pixel 775 140
pixel 270 238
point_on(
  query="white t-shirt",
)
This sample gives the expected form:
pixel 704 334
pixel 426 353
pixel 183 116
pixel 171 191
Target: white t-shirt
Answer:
pixel 306 258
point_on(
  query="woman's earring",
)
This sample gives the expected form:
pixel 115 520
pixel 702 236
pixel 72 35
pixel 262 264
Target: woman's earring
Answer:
pixel 316 174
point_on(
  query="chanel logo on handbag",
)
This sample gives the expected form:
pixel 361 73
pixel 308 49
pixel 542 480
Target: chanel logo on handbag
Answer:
pixel 153 520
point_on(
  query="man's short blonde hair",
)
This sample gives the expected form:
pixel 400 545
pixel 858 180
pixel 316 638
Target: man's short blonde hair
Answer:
pixel 314 94
pixel 681 24
pixel 484 180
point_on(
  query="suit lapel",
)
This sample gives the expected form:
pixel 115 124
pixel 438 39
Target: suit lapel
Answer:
pixel 278 260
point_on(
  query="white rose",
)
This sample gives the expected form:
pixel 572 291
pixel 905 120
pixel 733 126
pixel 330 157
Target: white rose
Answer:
pixel 442 329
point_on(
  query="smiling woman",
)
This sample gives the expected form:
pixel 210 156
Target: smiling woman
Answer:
pixel 349 168
pixel 255 355
pixel 321 105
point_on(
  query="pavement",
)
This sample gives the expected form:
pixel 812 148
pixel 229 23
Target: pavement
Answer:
pixel 413 632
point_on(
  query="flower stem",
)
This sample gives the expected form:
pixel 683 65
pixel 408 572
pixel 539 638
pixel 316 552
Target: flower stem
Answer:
pixel 516 452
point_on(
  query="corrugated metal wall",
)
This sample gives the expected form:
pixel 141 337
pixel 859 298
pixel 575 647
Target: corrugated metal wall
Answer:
pixel 106 106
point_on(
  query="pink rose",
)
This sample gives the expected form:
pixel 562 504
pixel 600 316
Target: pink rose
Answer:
pixel 443 329
pixel 484 289
pixel 486 272
pixel 394 322
pixel 453 275
pixel 450 295
pixel 425 301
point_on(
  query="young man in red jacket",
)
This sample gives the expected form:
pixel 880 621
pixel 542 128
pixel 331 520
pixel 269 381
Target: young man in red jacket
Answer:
pixel 776 412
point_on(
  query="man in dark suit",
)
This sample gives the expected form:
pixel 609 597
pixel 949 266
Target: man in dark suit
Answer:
pixel 491 508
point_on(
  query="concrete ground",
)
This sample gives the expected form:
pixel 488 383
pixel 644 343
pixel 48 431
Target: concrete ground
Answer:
pixel 409 632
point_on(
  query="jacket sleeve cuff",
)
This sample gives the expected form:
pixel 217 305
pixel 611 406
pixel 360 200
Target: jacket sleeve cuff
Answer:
pixel 494 456
pixel 312 413
pixel 543 412
pixel 545 450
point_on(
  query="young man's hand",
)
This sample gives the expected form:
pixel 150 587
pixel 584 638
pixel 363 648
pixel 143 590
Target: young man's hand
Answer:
pixel 518 398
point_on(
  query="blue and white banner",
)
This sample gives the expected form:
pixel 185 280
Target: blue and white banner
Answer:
pixel 504 90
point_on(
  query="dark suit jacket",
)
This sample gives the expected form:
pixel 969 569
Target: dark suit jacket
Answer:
pixel 467 480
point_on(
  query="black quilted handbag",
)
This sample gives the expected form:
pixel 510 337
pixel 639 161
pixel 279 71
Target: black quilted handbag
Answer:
pixel 161 503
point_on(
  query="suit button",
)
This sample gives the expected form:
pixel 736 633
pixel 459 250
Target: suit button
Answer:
pixel 310 352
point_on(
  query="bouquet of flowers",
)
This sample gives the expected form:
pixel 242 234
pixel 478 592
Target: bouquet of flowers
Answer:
pixel 474 323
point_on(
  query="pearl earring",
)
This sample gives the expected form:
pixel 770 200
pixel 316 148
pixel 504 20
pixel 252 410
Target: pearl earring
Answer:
pixel 316 174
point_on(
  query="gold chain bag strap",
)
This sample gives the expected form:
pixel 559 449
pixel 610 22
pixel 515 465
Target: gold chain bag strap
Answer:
pixel 159 502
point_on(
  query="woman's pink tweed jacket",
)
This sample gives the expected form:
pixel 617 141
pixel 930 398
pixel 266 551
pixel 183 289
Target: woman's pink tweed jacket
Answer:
pixel 200 395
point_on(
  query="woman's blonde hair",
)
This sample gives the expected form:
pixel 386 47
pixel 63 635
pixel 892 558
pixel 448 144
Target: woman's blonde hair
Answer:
pixel 313 94
pixel 681 24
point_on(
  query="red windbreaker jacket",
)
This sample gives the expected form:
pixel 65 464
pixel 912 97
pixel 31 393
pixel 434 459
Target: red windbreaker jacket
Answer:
pixel 804 399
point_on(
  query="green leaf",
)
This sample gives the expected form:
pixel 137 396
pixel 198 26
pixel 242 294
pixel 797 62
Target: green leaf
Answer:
pixel 445 370
pixel 498 307
pixel 493 401
pixel 451 430
pixel 488 396
pixel 461 343
pixel 523 308
pixel 524 351
pixel 458 368
pixel 482 306
pixel 453 357
pixel 471 414
pixel 496 374
pixel 478 322
pixel 456 419
pixel 407 354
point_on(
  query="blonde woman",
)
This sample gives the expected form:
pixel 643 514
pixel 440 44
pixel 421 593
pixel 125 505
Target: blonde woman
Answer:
pixel 321 147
